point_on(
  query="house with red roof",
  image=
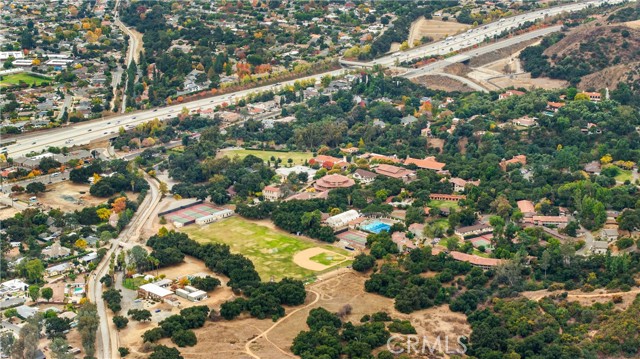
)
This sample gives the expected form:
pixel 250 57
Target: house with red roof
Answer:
pixel 428 163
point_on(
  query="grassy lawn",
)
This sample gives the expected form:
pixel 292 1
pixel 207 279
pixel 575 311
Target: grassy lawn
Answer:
pixel 445 204
pixel 297 157
pixel 271 251
pixel 14 79
pixel 327 259
pixel 624 175
pixel 133 283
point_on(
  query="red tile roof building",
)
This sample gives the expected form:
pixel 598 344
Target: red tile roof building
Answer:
pixel 330 182
pixel 428 163
pixel 403 174
pixel 446 197
pixel 522 159
pixel 510 93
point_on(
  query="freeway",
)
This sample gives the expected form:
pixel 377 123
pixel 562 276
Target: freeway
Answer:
pixel 478 35
pixel 438 65
pixel 107 336
pixel 83 133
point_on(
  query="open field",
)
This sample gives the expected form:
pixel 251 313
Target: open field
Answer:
pixel 445 204
pixel 435 29
pixel 14 79
pixel 237 339
pixel 624 175
pixel 297 157
pixel 271 250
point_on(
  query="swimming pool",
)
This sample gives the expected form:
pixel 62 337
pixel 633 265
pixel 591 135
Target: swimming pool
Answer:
pixel 376 227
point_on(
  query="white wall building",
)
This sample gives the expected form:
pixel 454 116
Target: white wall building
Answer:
pixel 342 219
pixel 214 217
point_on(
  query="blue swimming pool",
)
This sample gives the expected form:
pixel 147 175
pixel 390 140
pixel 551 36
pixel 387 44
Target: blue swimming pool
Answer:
pixel 376 227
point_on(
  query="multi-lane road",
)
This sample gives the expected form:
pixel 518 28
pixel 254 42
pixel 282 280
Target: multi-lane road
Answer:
pixel 479 34
pixel 80 134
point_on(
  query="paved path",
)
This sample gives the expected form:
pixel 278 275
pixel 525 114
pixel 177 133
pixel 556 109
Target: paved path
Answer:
pixel 107 336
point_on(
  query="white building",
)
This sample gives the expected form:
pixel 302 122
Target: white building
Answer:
pixel 214 217
pixel 153 291
pixel 342 219
pixel 191 293
pixel 13 286
pixel 5 55
pixel 284 172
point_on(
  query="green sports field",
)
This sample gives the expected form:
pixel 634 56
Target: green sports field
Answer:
pixel 297 157
pixel 271 251
pixel 14 79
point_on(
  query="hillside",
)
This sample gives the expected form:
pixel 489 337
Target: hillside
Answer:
pixel 589 56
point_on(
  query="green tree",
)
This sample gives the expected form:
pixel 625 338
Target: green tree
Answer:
pixel 164 352
pixel 120 322
pixel 47 293
pixel 35 187
pixel 88 322
pixel 34 292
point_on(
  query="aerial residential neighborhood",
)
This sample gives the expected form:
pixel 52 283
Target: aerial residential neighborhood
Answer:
pixel 333 179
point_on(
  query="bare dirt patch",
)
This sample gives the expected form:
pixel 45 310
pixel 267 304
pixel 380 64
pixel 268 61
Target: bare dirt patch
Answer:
pixel 633 24
pixel 303 258
pixel 8 212
pixel 251 338
pixel 67 196
pixel 587 299
pixel 444 83
pixel 505 52
pixel 435 29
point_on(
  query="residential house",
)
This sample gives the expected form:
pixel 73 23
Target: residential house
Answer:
pixel 593 96
pixel 271 193
pixel 408 120
pixel 426 132
pixel 13 286
pixel 404 244
pixel 593 167
pixel 599 247
pixel 403 174
pixel 26 312
pixel 460 184
pixel 364 176
pixel 58 269
pixel 521 159
pixel 56 250
pixel 553 107
pixel 329 162
pixel 509 93
pixel 609 234
pixel 378 123
pixel 525 121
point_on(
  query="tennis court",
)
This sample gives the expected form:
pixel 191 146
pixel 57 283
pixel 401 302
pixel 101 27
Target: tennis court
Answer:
pixel 190 214
pixel 354 238
pixel 376 227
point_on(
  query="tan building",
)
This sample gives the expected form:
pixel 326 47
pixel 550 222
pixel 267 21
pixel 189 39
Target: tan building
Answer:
pixel 400 173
